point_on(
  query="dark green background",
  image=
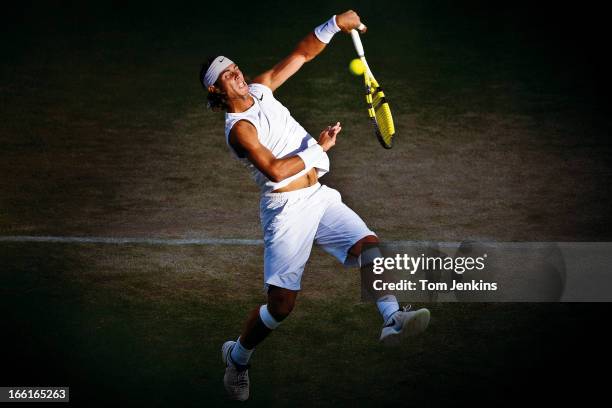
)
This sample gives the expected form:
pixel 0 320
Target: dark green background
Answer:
pixel 102 132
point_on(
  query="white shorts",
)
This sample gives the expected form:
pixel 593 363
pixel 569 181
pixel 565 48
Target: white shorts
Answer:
pixel 292 221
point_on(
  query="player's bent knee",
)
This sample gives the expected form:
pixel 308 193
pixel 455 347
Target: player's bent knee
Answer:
pixel 370 239
pixel 281 302
pixel 281 308
pixel 358 246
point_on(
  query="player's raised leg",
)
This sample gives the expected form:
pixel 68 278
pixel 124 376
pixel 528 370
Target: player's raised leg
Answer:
pixel 398 323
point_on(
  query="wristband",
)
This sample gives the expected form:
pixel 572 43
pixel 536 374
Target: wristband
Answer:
pixel 311 155
pixel 326 31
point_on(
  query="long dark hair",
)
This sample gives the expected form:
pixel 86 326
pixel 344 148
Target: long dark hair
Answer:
pixel 216 100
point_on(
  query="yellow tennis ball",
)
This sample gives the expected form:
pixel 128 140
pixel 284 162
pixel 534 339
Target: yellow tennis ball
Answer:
pixel 356 67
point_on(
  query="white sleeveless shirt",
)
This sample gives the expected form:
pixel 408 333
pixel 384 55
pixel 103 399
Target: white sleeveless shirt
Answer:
pixel 277 131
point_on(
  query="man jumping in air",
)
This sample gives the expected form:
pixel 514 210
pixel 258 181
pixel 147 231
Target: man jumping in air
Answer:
pixel 295 209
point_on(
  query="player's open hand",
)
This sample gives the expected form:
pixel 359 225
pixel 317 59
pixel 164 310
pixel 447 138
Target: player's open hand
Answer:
pixel 350 20
pixel 327 138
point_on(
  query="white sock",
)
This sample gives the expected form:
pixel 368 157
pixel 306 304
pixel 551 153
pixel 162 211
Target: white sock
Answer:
pixel 240 355
pixel 387 305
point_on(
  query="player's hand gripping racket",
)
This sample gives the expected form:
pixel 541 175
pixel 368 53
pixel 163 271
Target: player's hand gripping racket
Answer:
pixel 378 108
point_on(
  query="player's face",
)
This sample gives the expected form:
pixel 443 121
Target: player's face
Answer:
pixel 232 82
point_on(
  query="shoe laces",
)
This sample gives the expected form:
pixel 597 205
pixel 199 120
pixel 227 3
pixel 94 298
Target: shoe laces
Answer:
pixel 392 321
pixel 243 378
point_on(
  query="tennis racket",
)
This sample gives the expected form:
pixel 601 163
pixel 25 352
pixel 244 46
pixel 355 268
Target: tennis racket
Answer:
pixel 378 108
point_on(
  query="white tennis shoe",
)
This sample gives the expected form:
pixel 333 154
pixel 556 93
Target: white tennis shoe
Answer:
pixel 404 323
pixel 236 378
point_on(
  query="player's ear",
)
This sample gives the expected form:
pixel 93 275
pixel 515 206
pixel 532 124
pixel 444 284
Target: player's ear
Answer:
pixel 215 89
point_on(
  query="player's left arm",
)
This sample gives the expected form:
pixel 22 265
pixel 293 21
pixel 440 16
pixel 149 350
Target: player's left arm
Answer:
pixel 306 50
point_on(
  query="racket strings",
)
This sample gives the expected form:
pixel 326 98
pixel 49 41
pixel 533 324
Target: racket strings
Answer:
pixel 379 112
pixel 385 122
pixel 382 113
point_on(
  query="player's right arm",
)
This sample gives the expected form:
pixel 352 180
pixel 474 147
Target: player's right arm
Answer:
pixel 243 138
pixel 305 51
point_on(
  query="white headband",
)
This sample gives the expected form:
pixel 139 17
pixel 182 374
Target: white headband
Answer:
pixel 215 69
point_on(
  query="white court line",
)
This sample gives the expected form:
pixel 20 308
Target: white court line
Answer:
pixel 125 240
pixel 172 241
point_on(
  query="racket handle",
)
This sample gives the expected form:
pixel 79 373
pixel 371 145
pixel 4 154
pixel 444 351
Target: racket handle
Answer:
pixel 357 43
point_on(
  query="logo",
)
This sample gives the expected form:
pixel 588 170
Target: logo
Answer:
pixel 221 59
pixel 261 99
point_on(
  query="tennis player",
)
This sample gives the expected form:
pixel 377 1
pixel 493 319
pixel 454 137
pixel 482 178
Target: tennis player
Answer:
pixel 295 209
